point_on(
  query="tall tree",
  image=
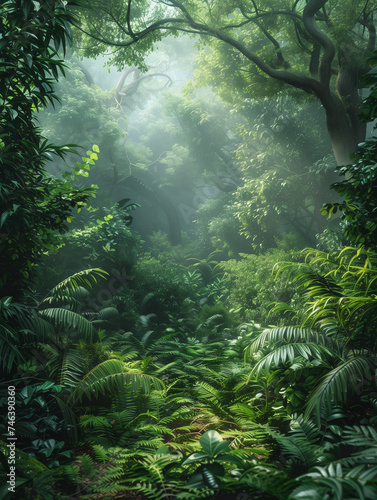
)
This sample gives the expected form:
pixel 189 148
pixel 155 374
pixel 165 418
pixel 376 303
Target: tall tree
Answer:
pixel 34 207
pixel 358 189
pixel 317 46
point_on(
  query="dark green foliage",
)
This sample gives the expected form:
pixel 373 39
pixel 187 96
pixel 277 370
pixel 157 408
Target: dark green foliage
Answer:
pixel 358 207
pixel 157 290
pixel 34 207
pixel 333 480
pixel 41 429
pixel 103 241
pixel 338 354
pixel 214 452
pixel 252 286
pixel 33 478
pixel 92 354
pixel 217 227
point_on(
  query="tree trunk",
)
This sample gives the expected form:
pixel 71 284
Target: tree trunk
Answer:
pixel 342 134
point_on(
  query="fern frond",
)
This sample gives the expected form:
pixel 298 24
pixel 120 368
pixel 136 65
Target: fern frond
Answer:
pixel 337 385
pixel 85 278
pixel 306 429
pixel 94 421
pixel 286 335
pixel 112 375
pixel 100 453
pixel 10 355
pixel 359 482
pixel 71 370
pixel 65 318
pixel 153 444
pixel 285 353
pixel 69 418
pixel 364 439
pixel 42 329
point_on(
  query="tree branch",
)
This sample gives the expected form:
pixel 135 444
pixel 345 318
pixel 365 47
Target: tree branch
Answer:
pixel 312 7
pixel 186 23
pixel 309 85
pixel 372 37
pixel 132 35
pixel 279 54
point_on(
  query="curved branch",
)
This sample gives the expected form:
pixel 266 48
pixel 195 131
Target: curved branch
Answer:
pixel 134 85
pixel 255 18
pixel 122 79
pixel 169 82
pixel 279 54
pixel 309 85
pixel 84 70
pixel 314 59
pixel 188 24
pixel 312 7
pixel 132 35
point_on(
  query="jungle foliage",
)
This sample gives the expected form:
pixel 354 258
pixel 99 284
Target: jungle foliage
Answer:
pixel 236 359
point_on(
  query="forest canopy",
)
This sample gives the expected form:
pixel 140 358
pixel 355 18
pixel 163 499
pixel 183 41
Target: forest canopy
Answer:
pixel 318 46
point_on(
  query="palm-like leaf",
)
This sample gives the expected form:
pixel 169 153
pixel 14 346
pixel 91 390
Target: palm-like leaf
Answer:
pixel 10 355
pixel 71 369
pixel 69 418
pixel 343 294
pixel 339 383
pixel 65 318
pixel 85 278
pixel 299 449
pixel 112 375
pixel 19 325
pixel 286 335
pixel 364 440
pixel 289 352
pixel 358 483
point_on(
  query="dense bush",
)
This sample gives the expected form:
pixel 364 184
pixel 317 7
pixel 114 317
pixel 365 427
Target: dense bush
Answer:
pixel 253 288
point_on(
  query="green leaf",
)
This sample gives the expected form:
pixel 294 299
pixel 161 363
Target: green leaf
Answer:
pixel 195 457
pixel 213 444
pixel 233 459
pixel 196 481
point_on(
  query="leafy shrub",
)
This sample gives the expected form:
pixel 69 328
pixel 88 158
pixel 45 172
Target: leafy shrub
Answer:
pixel 41 430
pixel 159 247
pixel 217 227
pixel 155 288
pixel 105 241
pixel 253 288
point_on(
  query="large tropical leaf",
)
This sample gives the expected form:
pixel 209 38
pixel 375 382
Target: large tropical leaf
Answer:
pixel 287 335
pixel 339 384
pixel 213 444
pixel 289 352
pixel 85 278
pixel 63 318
